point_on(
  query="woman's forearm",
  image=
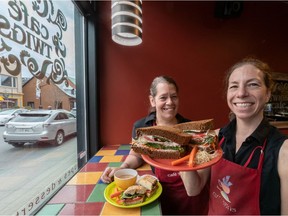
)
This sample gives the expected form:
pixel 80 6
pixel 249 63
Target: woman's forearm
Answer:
pixel 133 160
pixel 194 181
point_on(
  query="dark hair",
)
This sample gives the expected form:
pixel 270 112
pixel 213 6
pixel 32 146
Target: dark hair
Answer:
pixel 161 79
pixel 262 66
pixel 154 84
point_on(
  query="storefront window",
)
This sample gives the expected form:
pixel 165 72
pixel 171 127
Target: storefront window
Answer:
pixel 38 74
pixel 6 81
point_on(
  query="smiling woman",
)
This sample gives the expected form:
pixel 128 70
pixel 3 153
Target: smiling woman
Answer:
pixel 252 149
pixel 164 103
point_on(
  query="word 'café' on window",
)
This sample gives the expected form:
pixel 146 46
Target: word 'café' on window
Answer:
pixel 37 28
pixel 19 35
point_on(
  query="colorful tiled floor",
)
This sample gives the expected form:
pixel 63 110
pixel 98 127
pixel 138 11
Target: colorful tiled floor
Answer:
pixel 83 194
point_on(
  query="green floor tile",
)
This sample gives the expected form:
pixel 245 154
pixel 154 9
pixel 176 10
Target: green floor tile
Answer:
pixel 97 194
pixel 115 164
pixel 50 209
pixel 124 147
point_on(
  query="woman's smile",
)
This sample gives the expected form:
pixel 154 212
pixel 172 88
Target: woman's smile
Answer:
pixel 243 104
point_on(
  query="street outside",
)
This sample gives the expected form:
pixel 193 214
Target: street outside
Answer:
pixel 26 171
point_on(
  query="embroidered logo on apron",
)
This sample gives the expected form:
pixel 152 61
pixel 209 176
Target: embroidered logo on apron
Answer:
pixel 224 187
pixel 223 193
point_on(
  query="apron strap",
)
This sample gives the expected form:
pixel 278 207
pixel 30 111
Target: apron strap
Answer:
pixel 251 155
pixel 261 155
pixel 221 141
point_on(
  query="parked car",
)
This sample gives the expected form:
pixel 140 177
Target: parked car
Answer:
pixel 40 126
pixel 7 114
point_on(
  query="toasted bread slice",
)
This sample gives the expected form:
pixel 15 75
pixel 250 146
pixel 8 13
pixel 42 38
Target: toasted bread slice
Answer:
pixel 202 125
pixel 135 189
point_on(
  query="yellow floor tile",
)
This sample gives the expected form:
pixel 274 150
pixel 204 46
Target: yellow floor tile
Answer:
pixel 109 209
pixel 83 178
pixel 105 152
pixel 111 158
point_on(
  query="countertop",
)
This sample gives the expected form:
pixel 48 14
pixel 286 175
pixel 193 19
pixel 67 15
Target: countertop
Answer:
pixel 280 124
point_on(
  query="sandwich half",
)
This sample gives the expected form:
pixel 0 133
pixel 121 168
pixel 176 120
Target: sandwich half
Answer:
pixel 150 183
pixel 201 131
pixel 202 135
pixel 133 195
pixel 161 142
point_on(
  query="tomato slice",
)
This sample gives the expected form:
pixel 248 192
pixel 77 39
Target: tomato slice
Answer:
pixel 198 135
pixel 137 198
pixel 148 138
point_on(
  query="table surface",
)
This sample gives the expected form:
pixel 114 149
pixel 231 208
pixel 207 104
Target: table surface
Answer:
pixel 84 193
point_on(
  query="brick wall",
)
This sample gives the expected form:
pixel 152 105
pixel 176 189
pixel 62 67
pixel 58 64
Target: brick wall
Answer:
pixel 51 95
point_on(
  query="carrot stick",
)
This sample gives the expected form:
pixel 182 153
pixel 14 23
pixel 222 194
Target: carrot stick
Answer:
pixel 180 160
pixel 116 194
pixel 192 156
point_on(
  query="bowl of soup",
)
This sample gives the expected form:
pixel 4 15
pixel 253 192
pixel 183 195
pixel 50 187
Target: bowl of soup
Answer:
pixel 125 178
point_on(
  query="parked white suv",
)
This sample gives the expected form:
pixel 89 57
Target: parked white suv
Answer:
pixel 40 126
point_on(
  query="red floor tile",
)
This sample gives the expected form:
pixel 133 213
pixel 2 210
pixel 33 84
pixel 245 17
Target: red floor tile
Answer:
pixel 94 167
pixel 73 194
pixel 124 158
pixel 82 209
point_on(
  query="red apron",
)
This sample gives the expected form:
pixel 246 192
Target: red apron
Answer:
pixel 235 189
pixel 174 198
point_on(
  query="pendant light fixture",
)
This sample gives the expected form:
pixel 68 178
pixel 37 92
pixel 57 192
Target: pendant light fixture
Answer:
pixel 127 22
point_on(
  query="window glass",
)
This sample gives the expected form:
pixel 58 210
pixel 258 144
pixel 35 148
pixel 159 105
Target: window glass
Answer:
pixel 71 116
pixel 37 52
pixel 30 118
pixel 6 81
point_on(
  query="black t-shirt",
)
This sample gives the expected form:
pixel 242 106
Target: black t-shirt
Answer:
pixel 270 197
